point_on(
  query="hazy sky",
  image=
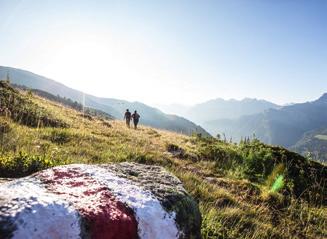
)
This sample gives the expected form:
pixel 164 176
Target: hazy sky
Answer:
pixel 172 50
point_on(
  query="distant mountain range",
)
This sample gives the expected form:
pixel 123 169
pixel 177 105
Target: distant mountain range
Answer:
pixel 227 109
pixel 219 109
pixel 219 116
pixel 300 127
pixel 284 126
pixel 149 116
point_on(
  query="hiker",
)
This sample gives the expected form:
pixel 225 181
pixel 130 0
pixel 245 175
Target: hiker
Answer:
pixel 127 117
pixel 136 118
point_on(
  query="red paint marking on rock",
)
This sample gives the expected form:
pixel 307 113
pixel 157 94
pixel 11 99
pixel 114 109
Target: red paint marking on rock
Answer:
pixel 106 217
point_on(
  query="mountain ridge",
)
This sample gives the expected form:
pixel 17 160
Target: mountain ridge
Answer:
pixel 323 98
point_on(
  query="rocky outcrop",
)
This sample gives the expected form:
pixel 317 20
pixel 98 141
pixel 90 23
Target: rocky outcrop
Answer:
pixel 124 201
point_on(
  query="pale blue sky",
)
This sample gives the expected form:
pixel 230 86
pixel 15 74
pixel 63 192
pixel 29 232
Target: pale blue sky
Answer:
pixel 172 51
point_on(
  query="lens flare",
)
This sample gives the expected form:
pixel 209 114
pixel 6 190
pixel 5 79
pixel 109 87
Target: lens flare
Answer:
pixel 278 184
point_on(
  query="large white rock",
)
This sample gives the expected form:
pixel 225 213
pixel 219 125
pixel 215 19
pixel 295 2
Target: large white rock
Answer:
pixel 124 200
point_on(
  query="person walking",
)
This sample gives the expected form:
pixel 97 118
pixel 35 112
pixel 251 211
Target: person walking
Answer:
pixel 136 118
pixel 127 117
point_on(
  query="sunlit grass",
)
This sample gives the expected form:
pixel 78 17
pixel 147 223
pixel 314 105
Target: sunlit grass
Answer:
pixel 237 186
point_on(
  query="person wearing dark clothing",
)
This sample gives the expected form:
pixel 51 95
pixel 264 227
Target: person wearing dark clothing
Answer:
pixel 127 117
pixel 136 118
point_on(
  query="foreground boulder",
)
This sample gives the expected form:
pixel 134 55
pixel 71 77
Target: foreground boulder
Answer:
pixel 122 201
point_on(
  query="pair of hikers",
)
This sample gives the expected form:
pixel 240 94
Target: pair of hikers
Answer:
pixel 135 116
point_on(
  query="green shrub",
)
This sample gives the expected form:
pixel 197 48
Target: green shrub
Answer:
pixel 22 110
pixel 4 126
pixel 59 136
pixel 258 161
pixel 175 150
pixel 23 164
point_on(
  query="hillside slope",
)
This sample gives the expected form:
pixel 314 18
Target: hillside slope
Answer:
pixel 149 115
pixel 250 190
pixel 313 144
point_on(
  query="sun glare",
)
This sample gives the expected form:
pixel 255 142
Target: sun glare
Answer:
pixel 85 62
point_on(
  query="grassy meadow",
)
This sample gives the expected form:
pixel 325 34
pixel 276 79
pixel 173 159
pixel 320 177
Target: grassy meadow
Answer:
pixel 245 190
